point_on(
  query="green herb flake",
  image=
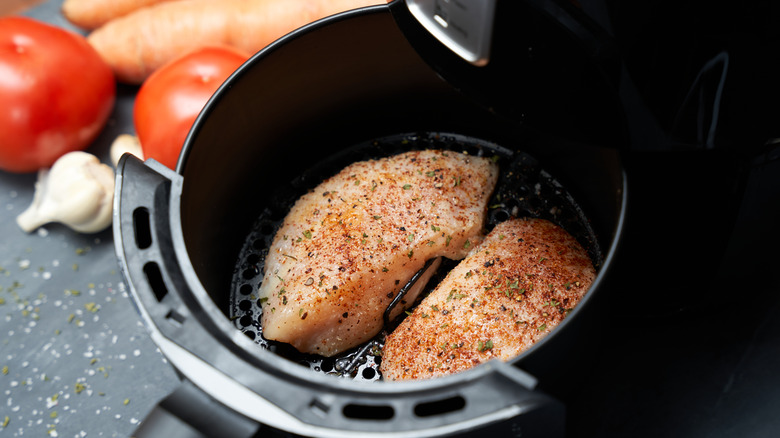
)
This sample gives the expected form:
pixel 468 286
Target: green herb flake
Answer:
pixel 455 295
pixel 6 420
pixel 307 234
pixel 406 186
pixel 5 370
pixel 92 307
pixel 484 346
pixel 79 387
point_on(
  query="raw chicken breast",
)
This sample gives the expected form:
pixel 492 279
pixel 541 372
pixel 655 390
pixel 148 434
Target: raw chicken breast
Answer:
pixel 509 293
pixel 347 247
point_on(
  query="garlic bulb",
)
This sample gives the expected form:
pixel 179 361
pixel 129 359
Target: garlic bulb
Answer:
pixel 77 191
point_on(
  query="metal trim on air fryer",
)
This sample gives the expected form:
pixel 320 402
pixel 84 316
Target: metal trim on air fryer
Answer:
pixel 464 26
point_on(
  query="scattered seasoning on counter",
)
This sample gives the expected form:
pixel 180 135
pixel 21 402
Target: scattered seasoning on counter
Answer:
pixel 42 349
pixel 79 387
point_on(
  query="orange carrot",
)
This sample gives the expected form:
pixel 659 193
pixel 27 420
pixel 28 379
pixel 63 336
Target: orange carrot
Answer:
pixel 137 44
pixel 90 14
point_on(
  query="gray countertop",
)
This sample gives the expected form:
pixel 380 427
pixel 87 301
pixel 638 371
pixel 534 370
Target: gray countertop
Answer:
pixel 75 358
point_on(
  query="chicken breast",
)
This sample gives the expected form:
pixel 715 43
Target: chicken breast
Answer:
pixel 347 247
pixel 509 293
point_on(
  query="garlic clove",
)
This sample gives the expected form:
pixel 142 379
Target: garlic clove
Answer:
pixel 125 143
pixel 77 191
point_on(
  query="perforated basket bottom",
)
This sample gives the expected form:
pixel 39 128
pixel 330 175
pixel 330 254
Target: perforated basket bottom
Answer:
pixel 524 189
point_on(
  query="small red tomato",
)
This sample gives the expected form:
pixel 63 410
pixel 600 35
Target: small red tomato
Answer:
pixel 171 98
pixel 56 93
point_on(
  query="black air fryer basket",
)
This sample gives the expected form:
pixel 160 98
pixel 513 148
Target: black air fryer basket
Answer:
pixel 352 87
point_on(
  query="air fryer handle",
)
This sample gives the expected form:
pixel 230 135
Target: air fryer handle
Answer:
pixel 547 65
pixel 466 27
pixel 142 237
pixel 189 413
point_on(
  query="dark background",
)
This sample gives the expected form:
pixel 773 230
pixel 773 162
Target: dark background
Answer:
pixel 691 343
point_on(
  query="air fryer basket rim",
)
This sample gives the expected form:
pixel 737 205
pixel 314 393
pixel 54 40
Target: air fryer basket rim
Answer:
pixel 212 312
pixel 213 320
pixel 200 292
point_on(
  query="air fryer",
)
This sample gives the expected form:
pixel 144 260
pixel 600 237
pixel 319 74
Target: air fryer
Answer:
pixel 539 89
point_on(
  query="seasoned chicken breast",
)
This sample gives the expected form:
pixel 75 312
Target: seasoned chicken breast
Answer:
pixel 347 247
pixel 509 293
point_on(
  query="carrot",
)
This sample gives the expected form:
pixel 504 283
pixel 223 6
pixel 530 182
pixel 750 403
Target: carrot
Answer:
pixel 137 44
pixel 91 14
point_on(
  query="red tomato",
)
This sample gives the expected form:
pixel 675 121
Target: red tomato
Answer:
pixel 56 93
pixel 171 98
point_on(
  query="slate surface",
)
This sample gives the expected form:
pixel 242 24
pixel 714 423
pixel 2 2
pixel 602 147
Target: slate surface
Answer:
pixel 75 359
